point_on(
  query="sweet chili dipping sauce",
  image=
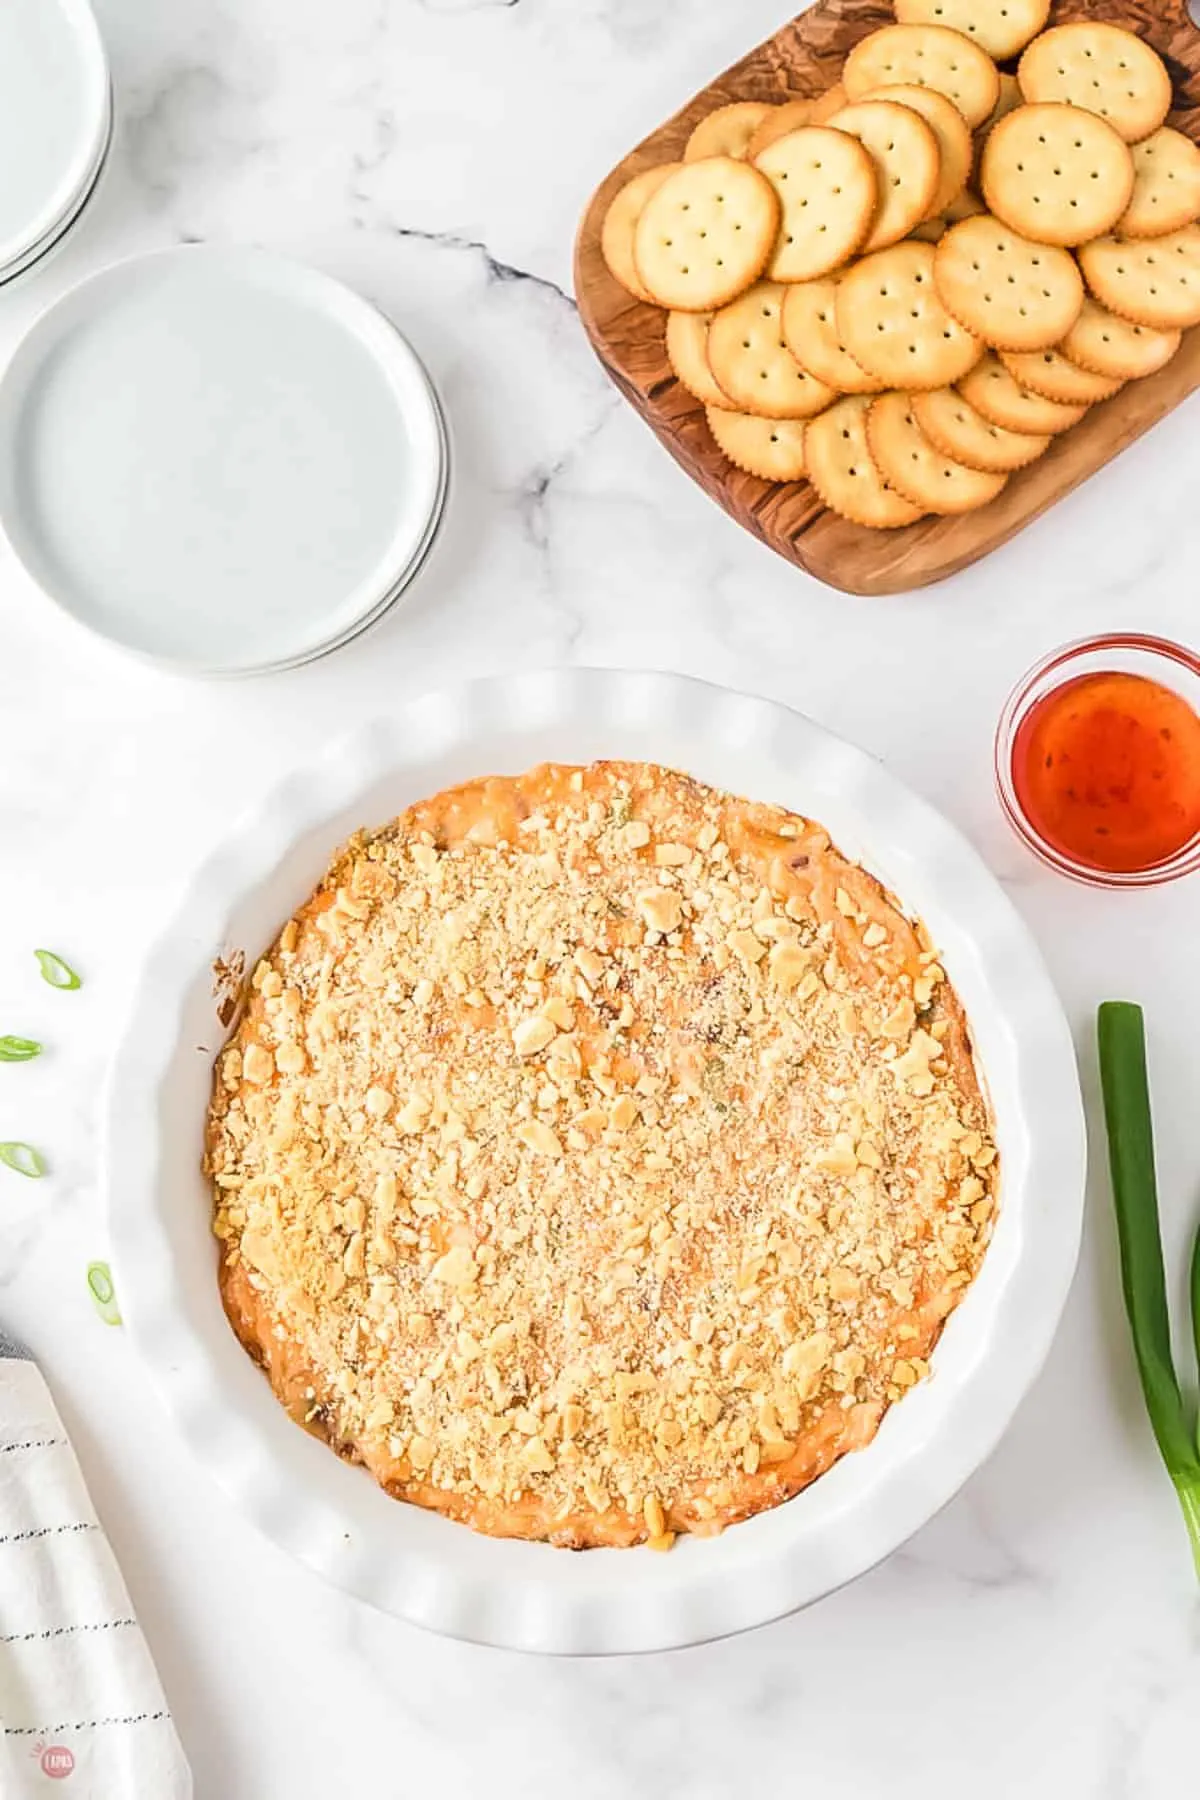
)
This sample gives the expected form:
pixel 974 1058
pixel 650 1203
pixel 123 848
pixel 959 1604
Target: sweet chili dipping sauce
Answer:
pixel 1106 769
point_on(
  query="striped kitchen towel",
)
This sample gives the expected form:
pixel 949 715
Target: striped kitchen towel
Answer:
pixel 82 1711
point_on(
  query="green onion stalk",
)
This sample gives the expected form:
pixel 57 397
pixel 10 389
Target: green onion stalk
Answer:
pixel 1122 1040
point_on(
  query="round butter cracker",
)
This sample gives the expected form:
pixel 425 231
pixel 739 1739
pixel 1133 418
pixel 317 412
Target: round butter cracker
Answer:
pixel 995 393
pixel 908 165
pixel 772 449
pixel 828 189
pixel 687 353
pixel 959 430
pixel 1150 281
pixel 1103 69
pixel 1107 345
pixel 925 56
pixel 892 322
pixel 954 141
pixel 727 130
pixel 844 473
pixel 811 334
pixel 1056 174
pixel 916 468
pixel 1166 186
pixel 620 221
pixel 1014 294
pixel 1001 27
pixel 705 235
pixel 790 116
pixel 1048 373
pixel 752 364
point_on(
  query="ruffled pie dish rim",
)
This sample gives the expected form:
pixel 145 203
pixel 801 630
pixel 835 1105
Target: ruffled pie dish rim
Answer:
pixel 422 1567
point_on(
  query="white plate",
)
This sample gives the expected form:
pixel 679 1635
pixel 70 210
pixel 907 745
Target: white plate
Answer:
pixel 217 459
pixel 419 558
pixel 529 1596
pixel 54 117
pixel 50 241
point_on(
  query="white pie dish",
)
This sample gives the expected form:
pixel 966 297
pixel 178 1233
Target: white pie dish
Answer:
pixel 529 1596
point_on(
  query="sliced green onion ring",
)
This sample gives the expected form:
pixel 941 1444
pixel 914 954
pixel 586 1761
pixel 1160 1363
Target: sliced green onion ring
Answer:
pixel 104 1294
pixel 19 1049
pixel 57 971
pixel 24 1159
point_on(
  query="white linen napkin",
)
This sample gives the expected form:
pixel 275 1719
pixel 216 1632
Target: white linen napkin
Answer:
pixel 82 1710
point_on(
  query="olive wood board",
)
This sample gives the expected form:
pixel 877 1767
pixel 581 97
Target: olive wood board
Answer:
pixel 804 58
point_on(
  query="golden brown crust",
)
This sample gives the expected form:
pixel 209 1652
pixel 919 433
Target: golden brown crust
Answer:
pixel 597 1157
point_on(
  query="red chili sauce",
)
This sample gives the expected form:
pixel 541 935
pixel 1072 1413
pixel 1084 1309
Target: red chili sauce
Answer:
pixel 1107 770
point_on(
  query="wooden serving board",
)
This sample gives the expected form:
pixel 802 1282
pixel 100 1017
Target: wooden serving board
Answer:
pixel 804 58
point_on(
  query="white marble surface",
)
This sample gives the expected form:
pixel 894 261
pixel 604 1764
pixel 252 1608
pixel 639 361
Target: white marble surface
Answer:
pixel 1042 1637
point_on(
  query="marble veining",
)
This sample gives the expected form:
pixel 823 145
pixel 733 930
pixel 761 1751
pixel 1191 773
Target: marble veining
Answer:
pixel 1040 1639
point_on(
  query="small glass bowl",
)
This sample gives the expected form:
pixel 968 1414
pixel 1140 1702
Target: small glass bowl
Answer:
pixel 1171 665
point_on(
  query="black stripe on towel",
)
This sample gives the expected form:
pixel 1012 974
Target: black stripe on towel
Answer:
pixel 53 1731
pixel 57 1631
pixel 44 1531
pixel 33 1444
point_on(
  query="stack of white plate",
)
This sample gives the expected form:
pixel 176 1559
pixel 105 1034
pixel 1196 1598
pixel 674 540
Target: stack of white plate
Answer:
pixel 55 125
pixel 219 460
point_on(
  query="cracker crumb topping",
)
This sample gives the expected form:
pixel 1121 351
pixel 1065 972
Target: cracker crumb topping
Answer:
pixel 597 1155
